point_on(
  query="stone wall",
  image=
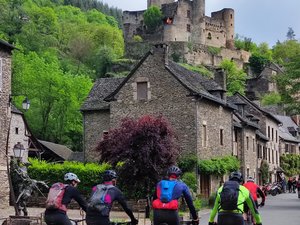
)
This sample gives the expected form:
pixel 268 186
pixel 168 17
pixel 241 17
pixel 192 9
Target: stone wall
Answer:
pixel 214 118
pixel 168 99
pixel 95 122
pixel 5 87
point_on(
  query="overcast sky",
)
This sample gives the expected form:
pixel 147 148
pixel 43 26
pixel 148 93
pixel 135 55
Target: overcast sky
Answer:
pixel 261 20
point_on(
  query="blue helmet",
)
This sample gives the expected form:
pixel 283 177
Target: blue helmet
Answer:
pixel 109 175
pixel 174 170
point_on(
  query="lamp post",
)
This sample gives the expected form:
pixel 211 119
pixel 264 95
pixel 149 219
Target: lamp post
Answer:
pixel 19 150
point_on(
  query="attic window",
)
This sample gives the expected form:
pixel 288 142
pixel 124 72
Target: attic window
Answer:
pixel 16 130
pixel 142 90
pixel 169 21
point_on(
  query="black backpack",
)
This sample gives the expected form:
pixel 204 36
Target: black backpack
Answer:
pixel 229 196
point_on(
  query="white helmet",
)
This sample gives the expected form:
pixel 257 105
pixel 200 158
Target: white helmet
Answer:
pixel 71 176
pixel 251 179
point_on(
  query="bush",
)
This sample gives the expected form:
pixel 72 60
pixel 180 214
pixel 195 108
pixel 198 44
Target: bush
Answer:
pixel 137 38
pixel 190 179
pixel 188 163
pixel 198 204
pixel 219 166
pixel 89 173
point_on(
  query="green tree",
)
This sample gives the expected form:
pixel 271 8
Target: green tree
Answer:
pixel 283 52
pixel 153 18
pixel 236 78
pixel 258 62
pixel 290 34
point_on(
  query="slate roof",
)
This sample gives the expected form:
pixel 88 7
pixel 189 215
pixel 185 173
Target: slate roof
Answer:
pixel 285 135
pixel 169 10
pixel 61 150
pixel 6 46
pixel 287 122
pixel 102 87
pixel 261 135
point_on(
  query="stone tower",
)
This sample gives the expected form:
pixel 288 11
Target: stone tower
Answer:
pixel 198 30
pixel 228 17
pixel 158 2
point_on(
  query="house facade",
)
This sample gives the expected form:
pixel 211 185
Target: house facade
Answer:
pixel 5 115
pixel 160 87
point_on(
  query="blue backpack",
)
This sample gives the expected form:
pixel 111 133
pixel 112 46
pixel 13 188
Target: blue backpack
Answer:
pixel 167 188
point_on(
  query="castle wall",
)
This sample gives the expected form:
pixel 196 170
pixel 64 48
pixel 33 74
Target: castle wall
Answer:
pixel 132 23
pixel 180 29
pixel 158 2
pixel 198 22
pixel 215 32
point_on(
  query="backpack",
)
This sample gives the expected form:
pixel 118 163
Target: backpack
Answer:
pixel 97 200
pixel 229 196
pixel 167 188
pixel 55 196
pixel 164 194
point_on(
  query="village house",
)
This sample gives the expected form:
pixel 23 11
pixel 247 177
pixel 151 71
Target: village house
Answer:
pixel 260 144
pixel 160 87
pixel 5 115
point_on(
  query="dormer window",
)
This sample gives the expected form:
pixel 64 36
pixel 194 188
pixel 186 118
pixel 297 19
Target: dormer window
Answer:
pixel 142 90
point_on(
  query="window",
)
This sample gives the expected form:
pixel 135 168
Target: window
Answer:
pixel 268 131
pixel 247 143
pixel 16 130
pixel 273 156
pixel 231 16
pixel 286 148
pixel 1 79
pixel 272 134
pixel 204 135
pixel 276 157
pixel 221 137
pixel 248 172
pixel 276 136
pixel 142 90
pixel 209 36
pixel 188 14
pixel 188 28
pixel 269 155
pixel 253 145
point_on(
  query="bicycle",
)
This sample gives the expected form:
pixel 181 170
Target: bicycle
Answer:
pixel 76 221
pixel 250 219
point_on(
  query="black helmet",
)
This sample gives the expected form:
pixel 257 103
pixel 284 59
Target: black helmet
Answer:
pixel 174 170
pixel 236 176
pixel 109 175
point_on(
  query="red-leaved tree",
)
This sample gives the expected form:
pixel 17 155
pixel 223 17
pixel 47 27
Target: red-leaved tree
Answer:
pixel 141 151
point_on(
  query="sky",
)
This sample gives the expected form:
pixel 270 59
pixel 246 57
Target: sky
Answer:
pixel 260 20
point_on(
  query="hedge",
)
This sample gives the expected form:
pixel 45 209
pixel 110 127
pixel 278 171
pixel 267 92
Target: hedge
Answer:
pixel 89 173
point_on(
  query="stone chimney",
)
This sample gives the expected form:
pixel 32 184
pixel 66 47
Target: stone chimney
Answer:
pixel 221 79
pixel 162 49
pixel 296 119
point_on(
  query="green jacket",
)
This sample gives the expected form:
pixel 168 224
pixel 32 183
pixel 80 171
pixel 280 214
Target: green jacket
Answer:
pixel 244 196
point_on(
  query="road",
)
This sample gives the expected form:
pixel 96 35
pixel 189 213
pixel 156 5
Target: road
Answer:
pixel 283 209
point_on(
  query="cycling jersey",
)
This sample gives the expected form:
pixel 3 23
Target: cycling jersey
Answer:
pixel 171 216
pixel 244 196
pixel 113 194
pixel 254 190
pixel 59 217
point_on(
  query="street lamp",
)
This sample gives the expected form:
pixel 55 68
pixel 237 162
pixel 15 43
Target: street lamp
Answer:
pixel 26 104
pixel 18 150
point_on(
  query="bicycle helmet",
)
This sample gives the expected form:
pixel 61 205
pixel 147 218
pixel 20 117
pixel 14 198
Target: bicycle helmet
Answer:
pixel 236 176
pixel 71 177
pixel 251 179
pixel 109 175
pixel 174 170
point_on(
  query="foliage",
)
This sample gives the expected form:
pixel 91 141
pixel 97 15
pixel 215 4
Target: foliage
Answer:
pixel 271 99
pixel 146 147
pixel 55 97
pixel 198 204
pixel 264 169
pixel 198 69
pixel 289 85
pixel 236 78
pixel 244 43
pixel 153 18
pixel 219 166
pixel 290 164
pixel 188 163
pixel 137 38
pixel 257 63
pixel 290 34
pixel 88 173
pixel 176 56
pixel 214 50
pixel 285 51
pixel 190 179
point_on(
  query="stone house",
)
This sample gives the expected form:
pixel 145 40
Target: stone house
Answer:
pixel 160 87
pixel 289 138
pixel 5 115
pixel 264 142
pixel 263 83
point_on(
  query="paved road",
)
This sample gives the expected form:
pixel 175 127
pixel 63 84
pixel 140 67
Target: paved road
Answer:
pixel 283 209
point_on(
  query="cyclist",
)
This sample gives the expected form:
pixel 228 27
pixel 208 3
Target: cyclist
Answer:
pixel 98 210
pixel 254 191
pixel 229 203
pixel 59 216
pixel 167 211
